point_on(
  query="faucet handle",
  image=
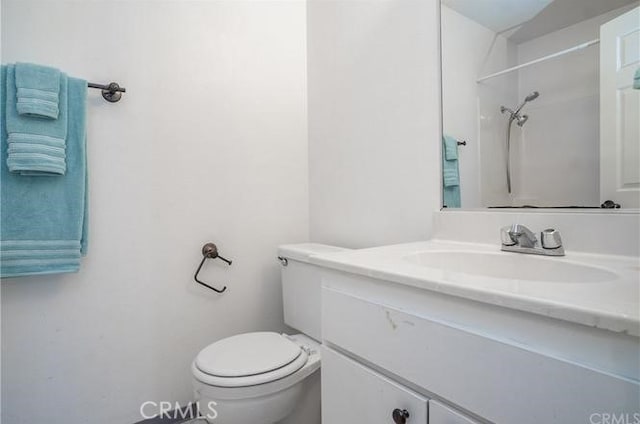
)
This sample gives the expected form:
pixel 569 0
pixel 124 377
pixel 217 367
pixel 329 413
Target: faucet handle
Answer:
pixel 550 239
pixel 505 236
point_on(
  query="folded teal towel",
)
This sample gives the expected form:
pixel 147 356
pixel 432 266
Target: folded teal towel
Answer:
pixel 37 90
pixel 43 225
pixel 636 79
pixel 36 146
pixel 450 173
pixel 450 148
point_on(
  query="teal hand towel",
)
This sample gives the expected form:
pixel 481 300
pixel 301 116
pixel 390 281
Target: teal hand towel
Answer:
pixel 450 173
pixel 450 148
pixel 43 224
pixel 636 79
pixel 36 146
pixel 38 90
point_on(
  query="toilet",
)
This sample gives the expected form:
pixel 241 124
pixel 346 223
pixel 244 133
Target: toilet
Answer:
pixel 266 377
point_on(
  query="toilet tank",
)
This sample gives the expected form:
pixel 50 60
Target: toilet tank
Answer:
pixel 301 286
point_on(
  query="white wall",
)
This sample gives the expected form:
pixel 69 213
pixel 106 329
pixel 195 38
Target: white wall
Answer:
pixel 209 143
pixel 558 159
pixel 374 141
pixel 471 111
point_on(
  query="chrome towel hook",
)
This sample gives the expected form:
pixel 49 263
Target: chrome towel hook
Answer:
pixel 210 251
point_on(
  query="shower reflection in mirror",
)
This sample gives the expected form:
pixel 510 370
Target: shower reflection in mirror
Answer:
pixel 552 70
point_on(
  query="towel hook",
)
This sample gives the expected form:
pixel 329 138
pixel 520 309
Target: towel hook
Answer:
pixel 210 251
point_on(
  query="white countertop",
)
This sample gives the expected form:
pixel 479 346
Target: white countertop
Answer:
pixel 612 305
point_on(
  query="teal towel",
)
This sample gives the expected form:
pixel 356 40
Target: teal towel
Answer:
pixel 43 224
pixel 36 146
pixel 451 197
pixel 450 173
pixel 37 90
pixel 636 79
pixel 450 147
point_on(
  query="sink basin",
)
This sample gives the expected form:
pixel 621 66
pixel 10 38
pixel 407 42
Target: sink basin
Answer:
pixel 512 266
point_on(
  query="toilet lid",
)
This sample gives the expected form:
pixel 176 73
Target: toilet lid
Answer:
pixel 247 354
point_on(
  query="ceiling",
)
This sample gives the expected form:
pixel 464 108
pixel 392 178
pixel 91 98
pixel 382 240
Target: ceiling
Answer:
pixel 498 15
pixel 563 13
pixel 541 16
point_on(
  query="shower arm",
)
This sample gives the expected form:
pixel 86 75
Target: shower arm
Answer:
pixel 518 109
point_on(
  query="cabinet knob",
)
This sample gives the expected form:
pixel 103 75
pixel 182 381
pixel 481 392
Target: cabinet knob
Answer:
pixel 400 416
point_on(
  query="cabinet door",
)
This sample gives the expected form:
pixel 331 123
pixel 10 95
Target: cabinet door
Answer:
pixel 353 393
pixel 441 414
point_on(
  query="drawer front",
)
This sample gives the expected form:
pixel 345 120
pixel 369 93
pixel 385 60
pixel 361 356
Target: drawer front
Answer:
pixel 498 381
pixel 442 414
pixel 355 394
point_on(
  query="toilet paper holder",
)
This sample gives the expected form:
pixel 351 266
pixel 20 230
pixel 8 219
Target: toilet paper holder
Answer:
pixel 210 251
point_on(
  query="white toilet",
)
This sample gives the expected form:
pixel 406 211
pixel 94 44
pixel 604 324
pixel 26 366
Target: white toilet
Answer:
pixel 264 377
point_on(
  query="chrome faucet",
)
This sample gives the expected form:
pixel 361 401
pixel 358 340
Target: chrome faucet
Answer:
pixel 520 239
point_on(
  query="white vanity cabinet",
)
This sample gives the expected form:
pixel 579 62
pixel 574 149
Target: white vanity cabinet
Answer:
pixel 498 364
pixel 442 414
pixel 353 393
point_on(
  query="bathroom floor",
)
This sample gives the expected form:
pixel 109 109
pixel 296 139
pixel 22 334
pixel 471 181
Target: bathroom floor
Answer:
pixel 172 420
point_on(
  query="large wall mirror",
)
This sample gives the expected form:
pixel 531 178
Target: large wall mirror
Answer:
pixel 539 104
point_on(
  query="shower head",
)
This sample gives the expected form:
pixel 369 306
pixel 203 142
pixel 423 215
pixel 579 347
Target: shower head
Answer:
pixel 531 97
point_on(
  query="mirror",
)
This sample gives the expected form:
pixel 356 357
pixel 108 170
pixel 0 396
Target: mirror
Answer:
pixel 539 105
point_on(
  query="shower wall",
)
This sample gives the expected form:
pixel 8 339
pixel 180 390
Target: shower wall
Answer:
pixel 556 163
pixel 492 94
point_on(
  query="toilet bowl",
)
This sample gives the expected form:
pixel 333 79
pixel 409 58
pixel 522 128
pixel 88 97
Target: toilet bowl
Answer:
pixel 265 377
pixel 258 378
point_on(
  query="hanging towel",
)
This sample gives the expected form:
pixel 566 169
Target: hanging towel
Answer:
pixel 37 90
pixel 450 172
pixel 43 224
pixel 36 146
pixel 450 148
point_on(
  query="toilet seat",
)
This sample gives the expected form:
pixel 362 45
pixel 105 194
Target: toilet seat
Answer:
pixel 248 359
